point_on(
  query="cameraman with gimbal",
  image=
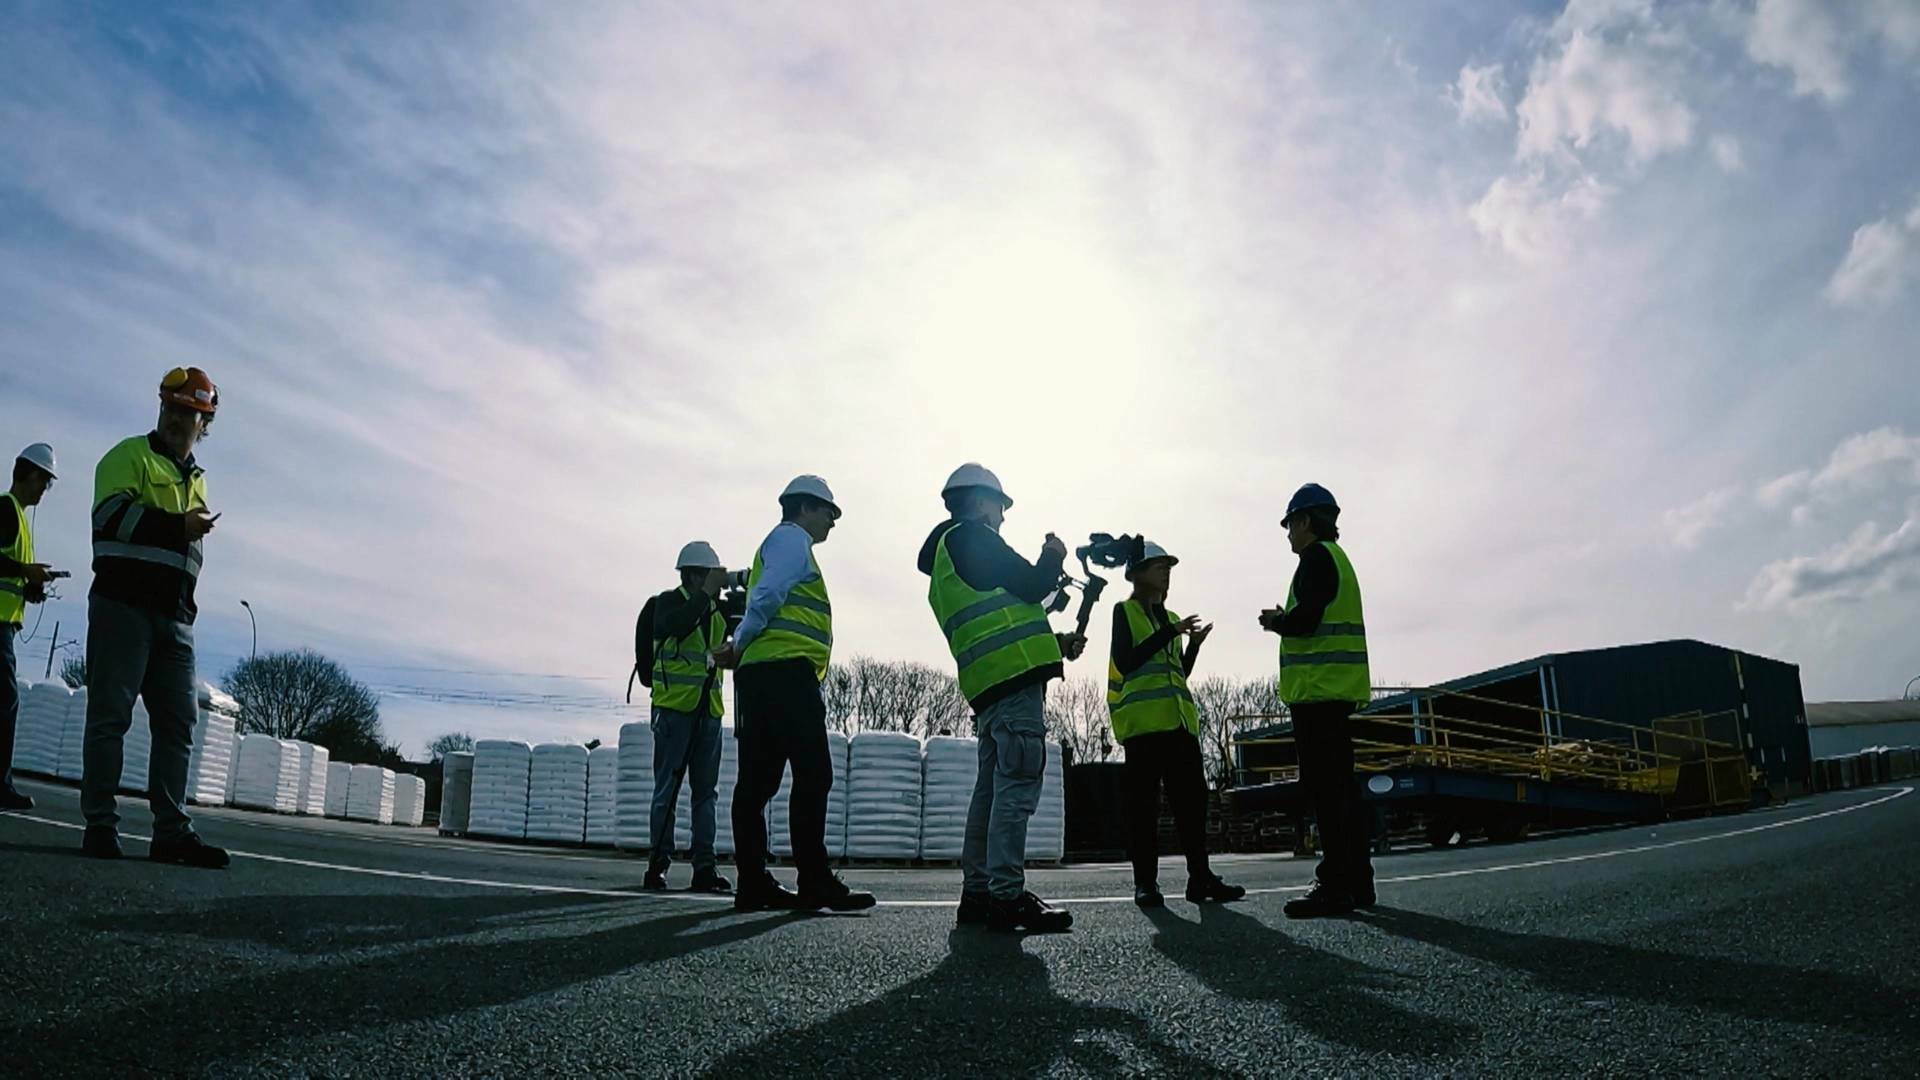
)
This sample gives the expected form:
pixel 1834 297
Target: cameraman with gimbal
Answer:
pixel 987 601
pixel 689 622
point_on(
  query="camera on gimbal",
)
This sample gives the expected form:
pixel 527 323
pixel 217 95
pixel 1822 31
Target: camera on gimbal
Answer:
pixel 732 601
pixel 1103 550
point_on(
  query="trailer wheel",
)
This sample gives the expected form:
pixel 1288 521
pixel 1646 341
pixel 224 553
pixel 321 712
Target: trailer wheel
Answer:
pixel 1508 830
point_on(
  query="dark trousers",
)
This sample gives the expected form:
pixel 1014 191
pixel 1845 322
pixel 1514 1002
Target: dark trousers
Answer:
pixel 1170 758
pixel 9 704
pixel 782 723
pixel 134 653
pixel 1323 733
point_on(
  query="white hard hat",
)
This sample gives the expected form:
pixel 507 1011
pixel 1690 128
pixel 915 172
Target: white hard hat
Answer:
pixel 1150 552
pixel 40 454
pixel 814 486
pixel 699 555
pixel 975 475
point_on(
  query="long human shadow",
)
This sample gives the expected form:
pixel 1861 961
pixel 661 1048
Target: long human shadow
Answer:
pixel 186 1030
pixel 987 1009
pixel 1337 999
pixel 1747 989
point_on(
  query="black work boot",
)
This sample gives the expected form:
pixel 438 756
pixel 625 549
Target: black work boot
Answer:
pixel 974 908
pixel 1211 890
pixel 655 881
pixel 710 881
pixel 101 842
pixel 764 894
pixel 832 894
pixel 188 850
pixel 1322 901
pixel 1030 913
pixel 1149 896
pixel 1364 897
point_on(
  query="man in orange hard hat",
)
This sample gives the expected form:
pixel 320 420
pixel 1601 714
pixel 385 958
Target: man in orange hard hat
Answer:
pixel 150 522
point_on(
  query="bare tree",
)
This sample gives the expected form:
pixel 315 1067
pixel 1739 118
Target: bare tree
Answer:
pixel 450 743
pixel 1227 707
pixel 303 695
pixel 1077 718
pixel 73 671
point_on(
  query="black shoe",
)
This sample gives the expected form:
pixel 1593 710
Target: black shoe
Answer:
pixel 1364 897
pixel 101 842
pixel 974 908
pixel 1149 896
pixel 768 895
pixel 1029 913
pixel 188 850
pixel 655 881
pixel 833 895
pixel 14 800
pixel 1211 890
pixel 1320 903
pixel 709 881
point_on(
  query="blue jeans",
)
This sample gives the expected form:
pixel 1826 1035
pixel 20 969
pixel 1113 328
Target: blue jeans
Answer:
pixel 1013 763
pixel 135 653
pixel 684 743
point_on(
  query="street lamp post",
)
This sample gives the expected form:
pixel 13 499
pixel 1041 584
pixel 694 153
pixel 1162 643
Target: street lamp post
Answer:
pixel 255 626
pixel 1908 692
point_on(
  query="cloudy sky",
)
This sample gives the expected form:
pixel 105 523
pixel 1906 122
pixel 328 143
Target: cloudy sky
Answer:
pixel 1599 319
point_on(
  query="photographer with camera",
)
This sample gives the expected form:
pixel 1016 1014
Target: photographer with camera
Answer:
pixel 22 581
pixel 986 599
pixel 1324 679
pixel 688 624
pixel 1157 724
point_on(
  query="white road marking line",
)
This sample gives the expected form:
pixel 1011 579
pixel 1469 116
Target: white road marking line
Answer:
pixel 621 894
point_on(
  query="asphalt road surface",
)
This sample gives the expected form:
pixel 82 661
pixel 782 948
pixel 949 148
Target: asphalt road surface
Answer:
pixel 1779 942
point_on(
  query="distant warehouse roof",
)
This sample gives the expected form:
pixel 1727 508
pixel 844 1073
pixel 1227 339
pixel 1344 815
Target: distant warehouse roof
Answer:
pixel 1834 713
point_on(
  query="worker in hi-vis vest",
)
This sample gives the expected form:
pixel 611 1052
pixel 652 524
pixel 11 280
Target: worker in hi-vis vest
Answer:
pixel 23 581
pixel 687 706
pixel 150 523
pixel 1158 726
pixel 1323 681
pixel 986 599
pixel 782 648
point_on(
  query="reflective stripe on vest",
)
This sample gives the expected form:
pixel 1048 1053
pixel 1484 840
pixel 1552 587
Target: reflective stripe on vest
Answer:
pixel 681 670
pixel 134 479
pixel 1331 663
pixel 993 636
pixel 803 627
pixel 1153 696
pixel 13 590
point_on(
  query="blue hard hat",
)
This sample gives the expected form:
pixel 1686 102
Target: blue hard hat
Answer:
pixel 1308 497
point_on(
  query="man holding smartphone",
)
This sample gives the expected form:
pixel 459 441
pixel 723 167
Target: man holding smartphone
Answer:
pixel 22 581
pixel 150 522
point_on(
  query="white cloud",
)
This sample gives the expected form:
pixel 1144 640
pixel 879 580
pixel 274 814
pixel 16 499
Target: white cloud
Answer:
pixel 1802 37
pixel 1532 220
pixel 1883 259
pixel 1688 526
pixel 1726 153
pixel 1480 92
pixel 1616 70
pixel 1897 22
pixel 1866 564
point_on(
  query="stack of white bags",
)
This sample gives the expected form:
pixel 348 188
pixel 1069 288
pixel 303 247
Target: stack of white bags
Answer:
pixel 951 765
pixel 43 717
pixel 315 762
pixel 557 795
pixel 339 778
pixel 780 824
pixel 603 771
pixel 456 792
pixel 266 774
pixel 883 796
pixel 722 802
pixel 370 791
pixel 210 767
pixel 136 750
pixel 409 799
pixel 633 799
pixel 501 769
pixel 1047 830
pixel 73 736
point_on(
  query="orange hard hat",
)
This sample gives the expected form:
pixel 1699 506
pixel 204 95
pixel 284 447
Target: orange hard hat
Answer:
pixel 190 388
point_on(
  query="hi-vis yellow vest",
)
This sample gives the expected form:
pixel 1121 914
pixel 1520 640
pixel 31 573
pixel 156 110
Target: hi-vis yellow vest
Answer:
pixel 13 590
pixel 994 636
pixel 134 477
pixel 1331 663
pixel 680 668
pixel 803 627
pixel 1154 696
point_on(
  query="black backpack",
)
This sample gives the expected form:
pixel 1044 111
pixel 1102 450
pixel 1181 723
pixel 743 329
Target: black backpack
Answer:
pixel 642 649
